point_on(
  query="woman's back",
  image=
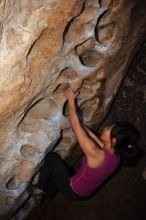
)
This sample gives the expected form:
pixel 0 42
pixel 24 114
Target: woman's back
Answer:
pixel 87 179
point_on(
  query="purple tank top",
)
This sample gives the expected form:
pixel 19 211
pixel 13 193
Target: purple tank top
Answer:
pixel 86 180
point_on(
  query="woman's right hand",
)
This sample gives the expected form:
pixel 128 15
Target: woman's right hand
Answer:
pixel 70 95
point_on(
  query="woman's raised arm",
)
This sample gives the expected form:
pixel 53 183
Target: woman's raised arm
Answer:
pixel 88 146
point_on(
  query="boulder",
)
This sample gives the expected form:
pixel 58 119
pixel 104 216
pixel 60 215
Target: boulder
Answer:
pixel 47 46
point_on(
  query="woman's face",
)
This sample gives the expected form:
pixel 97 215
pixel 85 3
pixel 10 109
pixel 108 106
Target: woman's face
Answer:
pixel 106 133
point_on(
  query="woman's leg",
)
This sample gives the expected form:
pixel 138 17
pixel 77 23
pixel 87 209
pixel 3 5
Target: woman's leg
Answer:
pixel 50 189
pixel 45 174
pixel 59 178
pixel 53 171
pixel 53 164
pixel 46 186
pixel 55 176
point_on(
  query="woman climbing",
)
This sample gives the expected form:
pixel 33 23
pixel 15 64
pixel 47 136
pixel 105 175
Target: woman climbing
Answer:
pixel 102 156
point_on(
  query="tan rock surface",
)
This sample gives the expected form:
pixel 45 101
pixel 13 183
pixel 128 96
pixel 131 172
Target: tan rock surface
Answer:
pixel 47 46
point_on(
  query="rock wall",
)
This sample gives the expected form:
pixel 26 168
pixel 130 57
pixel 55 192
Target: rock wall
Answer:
pixel 47 46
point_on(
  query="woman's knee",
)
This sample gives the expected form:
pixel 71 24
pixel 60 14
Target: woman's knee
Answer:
pixel 52 156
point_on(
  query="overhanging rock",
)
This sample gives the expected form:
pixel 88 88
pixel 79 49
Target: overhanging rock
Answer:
pixel 47 46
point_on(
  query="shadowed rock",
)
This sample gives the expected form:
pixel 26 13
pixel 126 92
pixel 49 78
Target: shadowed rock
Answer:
pixel 47 46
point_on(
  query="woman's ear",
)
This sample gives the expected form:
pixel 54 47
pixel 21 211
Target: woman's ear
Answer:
pixel 129 146
pixel 114 141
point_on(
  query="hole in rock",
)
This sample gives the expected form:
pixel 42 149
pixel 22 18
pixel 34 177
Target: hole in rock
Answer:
pixel 60 88
pixel 104 33
pixel 90 58
pixel 24 170
pixel 85 46
pixel 28 108
pixel 44 109
pixel 13 184
pixel 29 124
pixel 28 151
pixel 68 75
pixel 65 109
pixel 66 29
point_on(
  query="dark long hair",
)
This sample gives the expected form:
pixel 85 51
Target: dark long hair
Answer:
pixel 127 137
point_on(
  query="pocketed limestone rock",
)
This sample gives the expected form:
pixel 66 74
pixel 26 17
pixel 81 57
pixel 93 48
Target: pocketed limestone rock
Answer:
pixel 46 47
pixel 28 151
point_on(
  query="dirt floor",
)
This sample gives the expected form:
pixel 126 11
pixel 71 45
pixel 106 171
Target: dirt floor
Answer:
pixel 124 196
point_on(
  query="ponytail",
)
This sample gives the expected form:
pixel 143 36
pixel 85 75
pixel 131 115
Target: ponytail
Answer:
pixel 126 136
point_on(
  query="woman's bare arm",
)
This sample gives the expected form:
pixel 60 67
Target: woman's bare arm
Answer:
pixel 93 136
pixel 88 146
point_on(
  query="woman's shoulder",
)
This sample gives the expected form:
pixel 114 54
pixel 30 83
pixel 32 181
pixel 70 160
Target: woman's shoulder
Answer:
pixel 97 160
